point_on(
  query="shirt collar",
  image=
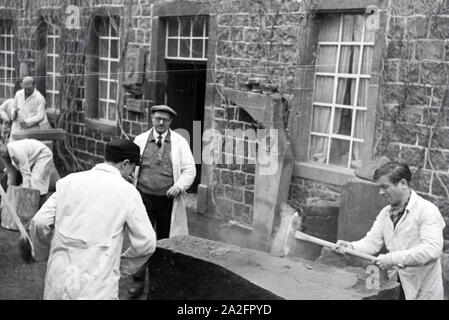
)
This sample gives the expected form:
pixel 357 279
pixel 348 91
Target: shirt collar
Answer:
pixel 411 201
pixel 108 168
pixel 165 135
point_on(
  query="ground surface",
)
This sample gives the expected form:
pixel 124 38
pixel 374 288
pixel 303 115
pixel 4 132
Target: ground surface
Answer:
pixel 19 281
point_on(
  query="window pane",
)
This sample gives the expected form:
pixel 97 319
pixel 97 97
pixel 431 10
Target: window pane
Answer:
pixel 198 26
pixel 370 35
pixel 103 90
pixel 57 79
pixel 185 27
pixel 339 154
pixel 324 88
pixel 103 29
pixel 342 121
pixel 197 49
pixel 363 93
pixel 49 83
pixel 10 61
pixel 113 91
pixel 349 59
pixel 104 50
pixel 114 49
pixel 330 27
pixel 360 123
pixel 321 119
pixel 50 45
pixel 352 28
pixel 114 71
pixel 356 159
pixel 101 109
pixel 318 149
pixel 114 29
pixel 185 48
pixel 205 51
pixel 346 91
pixel 327 56
pixel 367 60
pixel 172 48
pixel 111 111
pixel 172 27
pixel 49 64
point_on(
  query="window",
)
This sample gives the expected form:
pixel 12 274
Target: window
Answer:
pixel 6 60
pixel 186 38
pixel 343 68
pixel 52 68
pixel 108 71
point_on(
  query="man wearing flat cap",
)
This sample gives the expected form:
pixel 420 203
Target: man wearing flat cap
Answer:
pixel 167 171
pixel 81 227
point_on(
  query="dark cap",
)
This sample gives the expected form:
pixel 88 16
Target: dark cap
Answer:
pixel 122 149
pixel 164 108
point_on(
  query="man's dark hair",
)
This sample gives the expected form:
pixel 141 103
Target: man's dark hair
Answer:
pixel 395 171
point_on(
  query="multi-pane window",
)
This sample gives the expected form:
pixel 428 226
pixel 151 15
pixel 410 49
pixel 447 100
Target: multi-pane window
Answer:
pixel 53 68
pixel 344 58
pixel 186 38
pixel 108 70
pixel 6 60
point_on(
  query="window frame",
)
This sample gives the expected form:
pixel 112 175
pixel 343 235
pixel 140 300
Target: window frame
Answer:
pixel 6 86
pixel 54 55
pixel 92 67
pixel 303 99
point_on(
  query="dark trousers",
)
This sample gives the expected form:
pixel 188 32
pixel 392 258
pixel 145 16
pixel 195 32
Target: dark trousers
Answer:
pixel 159 211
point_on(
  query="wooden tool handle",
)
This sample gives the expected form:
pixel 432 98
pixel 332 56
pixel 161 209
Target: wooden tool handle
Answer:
pixel 302 236
pixel 13 213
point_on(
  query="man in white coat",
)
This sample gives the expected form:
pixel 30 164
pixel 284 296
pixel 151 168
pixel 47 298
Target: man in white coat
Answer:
pixel 29 109
pixel 82 227
pixel 167 171
pixel 34 161
pixel 411 228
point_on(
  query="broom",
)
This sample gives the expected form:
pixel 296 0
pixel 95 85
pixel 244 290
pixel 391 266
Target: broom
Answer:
pixel 25 245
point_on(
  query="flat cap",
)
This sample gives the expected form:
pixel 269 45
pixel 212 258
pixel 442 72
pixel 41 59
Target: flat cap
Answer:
pixel 165 108
pixel 122 149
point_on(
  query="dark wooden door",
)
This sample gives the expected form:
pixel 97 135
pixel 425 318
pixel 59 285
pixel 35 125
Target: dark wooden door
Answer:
pixel 186 86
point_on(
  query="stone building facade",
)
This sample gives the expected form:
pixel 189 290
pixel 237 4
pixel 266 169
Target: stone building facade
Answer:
pixel 354 80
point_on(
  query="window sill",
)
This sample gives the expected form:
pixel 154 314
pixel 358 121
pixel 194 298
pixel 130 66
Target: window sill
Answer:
pixel 103 126
pixel 327 174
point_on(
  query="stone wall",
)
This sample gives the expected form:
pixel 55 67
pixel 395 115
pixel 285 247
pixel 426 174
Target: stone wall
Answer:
pixel 413 124
pixel 258 50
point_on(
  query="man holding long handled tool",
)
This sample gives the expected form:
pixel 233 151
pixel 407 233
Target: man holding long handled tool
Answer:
pixel 411 228
pixel 81 228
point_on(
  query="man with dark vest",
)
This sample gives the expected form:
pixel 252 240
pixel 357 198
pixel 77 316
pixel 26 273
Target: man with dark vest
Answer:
pixel 167 171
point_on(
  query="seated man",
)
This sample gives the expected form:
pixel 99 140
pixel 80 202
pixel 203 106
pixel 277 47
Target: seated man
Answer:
pixel 33 160
pixel 29 109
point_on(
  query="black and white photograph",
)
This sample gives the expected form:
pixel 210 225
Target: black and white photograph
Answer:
pixel 231 152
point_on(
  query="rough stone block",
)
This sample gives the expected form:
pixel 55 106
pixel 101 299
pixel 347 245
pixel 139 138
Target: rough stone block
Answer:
pixel 360 204
pixel 366 171
pixel 193 268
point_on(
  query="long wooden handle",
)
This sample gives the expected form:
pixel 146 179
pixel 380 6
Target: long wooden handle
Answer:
pixel 13 213
pixel 302 236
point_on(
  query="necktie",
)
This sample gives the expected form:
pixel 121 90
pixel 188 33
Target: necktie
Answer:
pixel 159 141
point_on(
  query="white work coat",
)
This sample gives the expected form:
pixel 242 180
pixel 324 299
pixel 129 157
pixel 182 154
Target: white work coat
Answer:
pixel 31 110
pixel 85 221
pixel 416 243
pixel 34 160
pixel 184 172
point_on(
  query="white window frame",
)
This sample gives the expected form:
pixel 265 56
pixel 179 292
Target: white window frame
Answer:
pixel 6 82
pixel 53 94
pixel 204 38
pixel 357 76
pixel 108 79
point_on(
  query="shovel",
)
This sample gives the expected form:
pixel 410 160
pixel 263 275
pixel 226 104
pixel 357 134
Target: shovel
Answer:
pixel 305 237
pixel 25 245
